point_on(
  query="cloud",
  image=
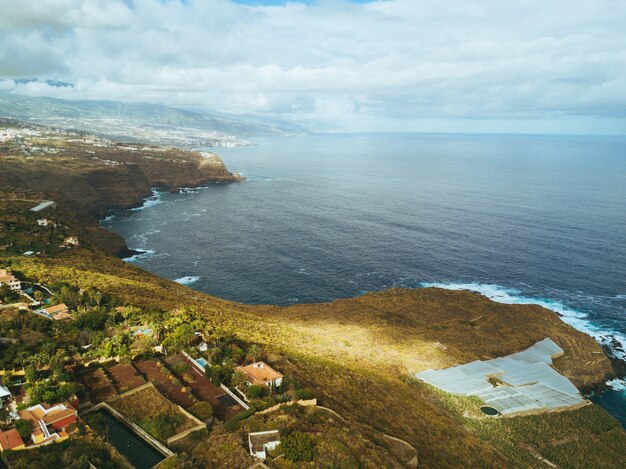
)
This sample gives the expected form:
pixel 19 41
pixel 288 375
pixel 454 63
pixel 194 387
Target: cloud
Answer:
pixel 353 64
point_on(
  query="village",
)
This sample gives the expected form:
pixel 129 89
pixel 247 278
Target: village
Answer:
pixel 162 375
pixel 76 362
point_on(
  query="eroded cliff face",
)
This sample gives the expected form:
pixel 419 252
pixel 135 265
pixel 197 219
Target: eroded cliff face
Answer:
pixel 87 178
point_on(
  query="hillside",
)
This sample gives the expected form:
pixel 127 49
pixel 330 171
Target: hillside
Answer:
pixel 356 356
pixel 139 122
pixel 88 176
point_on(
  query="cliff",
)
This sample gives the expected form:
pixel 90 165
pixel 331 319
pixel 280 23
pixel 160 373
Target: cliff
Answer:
pixel 88 176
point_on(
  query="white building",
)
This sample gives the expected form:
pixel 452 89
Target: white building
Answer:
pixel 46 222
pixel 43 205
pixel 262 442
pixel 71 241
pixel 7 279
pixel 5 394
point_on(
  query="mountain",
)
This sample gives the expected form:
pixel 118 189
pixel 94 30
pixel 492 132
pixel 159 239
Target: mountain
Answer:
pixel 140 122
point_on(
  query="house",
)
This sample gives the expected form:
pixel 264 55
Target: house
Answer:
pixel 261 442
pixel 57 312
pixel 43 205
pixel 5 394
pixel 62 316
pixel 11 440
pixel 46 222
pixel 71 241
pixel 261 374
pixel 49 422
pixel 6 278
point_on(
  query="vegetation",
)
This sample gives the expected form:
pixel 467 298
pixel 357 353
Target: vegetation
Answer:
pixel 72 454
pixel 355 356
pixel 152 412
pixel 298 446
pixel 23 428
pixel 202 410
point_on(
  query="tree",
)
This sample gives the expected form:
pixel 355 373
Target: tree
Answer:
pixel 216 375
pixel 23 428
pixel 298 446
pixel 238 379
pixel 254 353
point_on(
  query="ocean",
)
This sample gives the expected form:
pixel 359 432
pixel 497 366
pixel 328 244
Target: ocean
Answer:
pixel 521 219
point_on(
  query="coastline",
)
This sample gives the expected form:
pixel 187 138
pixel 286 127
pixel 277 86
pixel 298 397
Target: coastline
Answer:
pixel 501 295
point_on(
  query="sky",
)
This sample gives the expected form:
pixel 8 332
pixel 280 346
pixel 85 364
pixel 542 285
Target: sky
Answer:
pixel 551 66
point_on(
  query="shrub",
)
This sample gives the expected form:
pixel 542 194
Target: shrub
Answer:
pixel 97 422
pixel 164 426
pixel 298 446
pixel 202 410
pixel 304 394
pixel 254 392
pixel 232 425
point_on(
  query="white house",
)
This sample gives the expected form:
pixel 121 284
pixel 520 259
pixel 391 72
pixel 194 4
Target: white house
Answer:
pixel 71 241
pixel 45 222
pixel 8 279
pixel 262 442
pixel 5 394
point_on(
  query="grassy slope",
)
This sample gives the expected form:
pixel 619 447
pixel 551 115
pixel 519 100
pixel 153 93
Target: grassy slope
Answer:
pixel 356 353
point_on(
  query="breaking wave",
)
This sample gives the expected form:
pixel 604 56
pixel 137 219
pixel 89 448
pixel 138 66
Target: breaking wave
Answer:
pixel 614 340
pixel 188 280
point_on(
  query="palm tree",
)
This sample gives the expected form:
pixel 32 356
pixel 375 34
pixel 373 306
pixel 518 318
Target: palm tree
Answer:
pixel 238 379
pixel 254 352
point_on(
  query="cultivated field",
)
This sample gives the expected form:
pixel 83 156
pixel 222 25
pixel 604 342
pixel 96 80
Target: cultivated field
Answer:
pixel 164 383
pixel 125 377
pixel 202 387
pixel 98 385
pixel 154 413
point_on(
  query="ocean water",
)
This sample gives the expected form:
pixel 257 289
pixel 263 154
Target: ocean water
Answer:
pixel 521 219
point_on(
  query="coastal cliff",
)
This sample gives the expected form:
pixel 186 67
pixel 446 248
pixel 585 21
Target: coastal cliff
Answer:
pixel 88 176
pixel 357 356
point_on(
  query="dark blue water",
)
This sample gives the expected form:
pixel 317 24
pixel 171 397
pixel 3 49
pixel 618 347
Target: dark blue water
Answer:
pixel 538 219
pixel 139 453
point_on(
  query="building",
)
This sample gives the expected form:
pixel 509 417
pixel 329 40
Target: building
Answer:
pixel 11 440
pixel 261 374
pixel 262 442
pixel 48 422
pixel 46 222
pixel 57 312
pixel 7 278
pixel 43 206
pixel 71 241
pixel 518 384
pixel 5 394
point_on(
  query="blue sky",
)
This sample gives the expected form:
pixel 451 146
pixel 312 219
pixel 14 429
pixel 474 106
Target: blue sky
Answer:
pixel 415 65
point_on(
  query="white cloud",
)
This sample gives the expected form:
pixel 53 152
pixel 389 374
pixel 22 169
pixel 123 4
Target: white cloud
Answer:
pixel 352 64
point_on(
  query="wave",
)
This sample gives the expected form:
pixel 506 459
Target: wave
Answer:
pixel 151 201
pixel 188 280
pixel 615 341
pixel 142 254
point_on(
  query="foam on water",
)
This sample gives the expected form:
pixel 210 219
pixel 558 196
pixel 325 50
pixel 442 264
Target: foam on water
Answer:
pixel 151 201
pixel 614 340
pixel 143 254
pixel 187 280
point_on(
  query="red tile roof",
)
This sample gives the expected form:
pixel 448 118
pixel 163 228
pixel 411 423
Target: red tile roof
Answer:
pixel 10 439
